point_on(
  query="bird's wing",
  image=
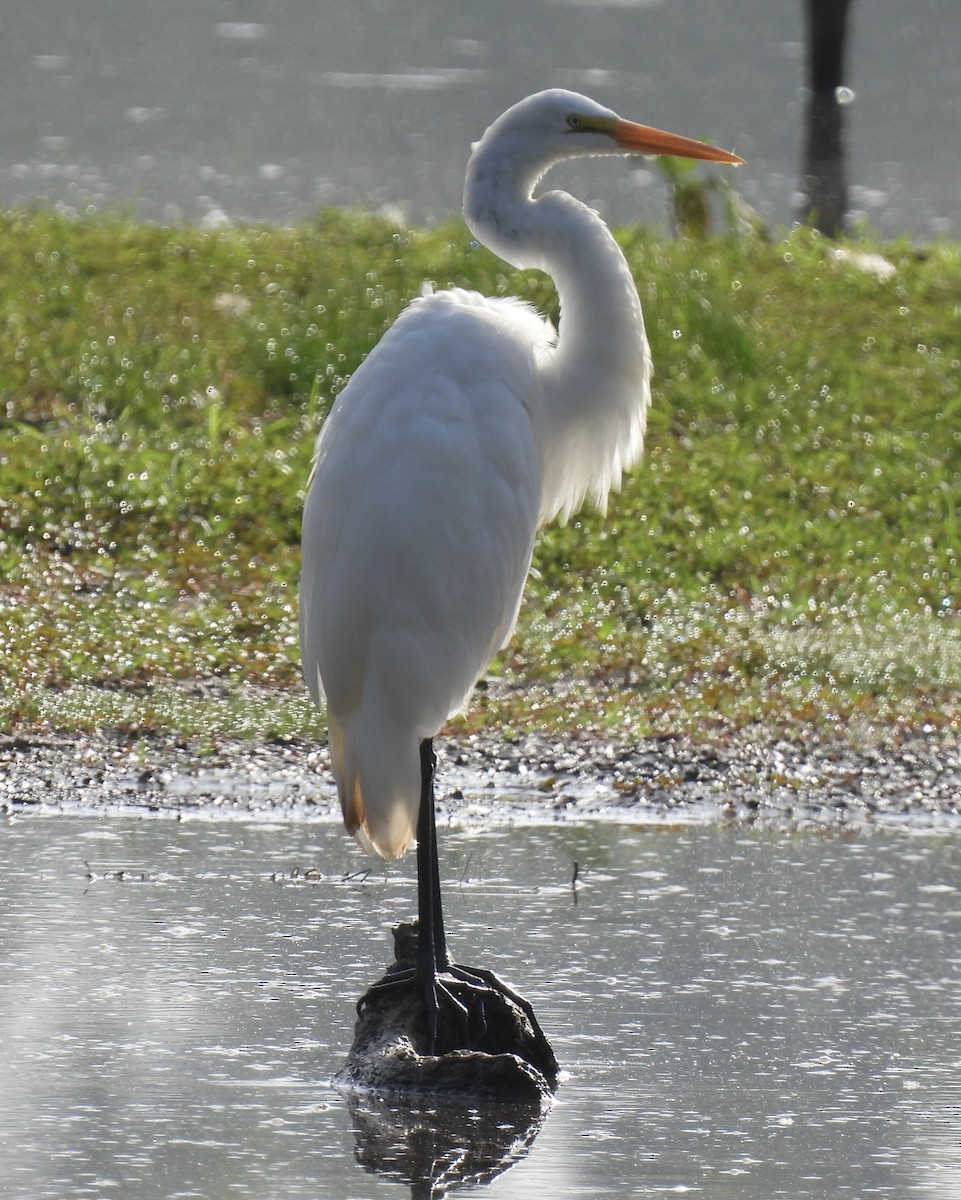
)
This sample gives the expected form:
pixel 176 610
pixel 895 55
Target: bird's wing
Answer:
pixel 418 531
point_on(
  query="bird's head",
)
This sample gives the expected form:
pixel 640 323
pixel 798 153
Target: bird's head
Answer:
pixel 556 124
pixel 525 142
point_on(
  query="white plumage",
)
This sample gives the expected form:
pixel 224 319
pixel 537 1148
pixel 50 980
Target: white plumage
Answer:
pixel 420 521
pixel 468 425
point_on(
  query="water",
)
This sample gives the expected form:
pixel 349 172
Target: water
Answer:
pixel 266 109
pixel 737 1015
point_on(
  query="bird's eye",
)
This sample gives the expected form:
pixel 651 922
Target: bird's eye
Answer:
pixel 575 121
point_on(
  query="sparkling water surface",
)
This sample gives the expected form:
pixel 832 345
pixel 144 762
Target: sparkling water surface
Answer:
pixel 736 1015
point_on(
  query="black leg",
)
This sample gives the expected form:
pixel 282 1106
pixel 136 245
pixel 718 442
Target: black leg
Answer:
pixel 442 959
pixel 432 956
pixel 428 890
pixel 433 959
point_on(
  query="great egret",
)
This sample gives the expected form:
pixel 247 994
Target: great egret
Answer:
pixel 467 427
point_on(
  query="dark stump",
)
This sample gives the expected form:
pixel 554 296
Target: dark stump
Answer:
pixel 494 1048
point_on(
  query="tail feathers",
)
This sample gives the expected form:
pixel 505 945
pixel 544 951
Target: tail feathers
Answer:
pixel 379 795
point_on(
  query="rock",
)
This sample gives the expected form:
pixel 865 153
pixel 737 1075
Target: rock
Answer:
pixel 498 1054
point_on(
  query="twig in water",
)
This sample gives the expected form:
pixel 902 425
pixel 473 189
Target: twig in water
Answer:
pixel 358 876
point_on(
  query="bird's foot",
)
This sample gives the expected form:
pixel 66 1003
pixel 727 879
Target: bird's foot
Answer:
pixel 456 1018
pixel 453 1002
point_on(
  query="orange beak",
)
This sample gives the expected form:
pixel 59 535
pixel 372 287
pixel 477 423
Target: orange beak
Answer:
pixel 644 140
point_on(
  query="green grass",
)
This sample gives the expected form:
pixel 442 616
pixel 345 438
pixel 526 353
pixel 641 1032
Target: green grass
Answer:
pixel 787 552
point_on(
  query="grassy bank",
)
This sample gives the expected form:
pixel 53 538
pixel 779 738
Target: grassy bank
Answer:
pixel 786 553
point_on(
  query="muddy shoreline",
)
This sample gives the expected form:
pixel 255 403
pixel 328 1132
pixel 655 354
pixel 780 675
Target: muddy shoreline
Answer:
pixel 912 782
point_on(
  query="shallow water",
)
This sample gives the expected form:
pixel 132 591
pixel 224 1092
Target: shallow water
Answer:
pixel 737 1015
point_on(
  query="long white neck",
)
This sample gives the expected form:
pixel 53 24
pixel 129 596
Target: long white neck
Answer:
pixel 596 382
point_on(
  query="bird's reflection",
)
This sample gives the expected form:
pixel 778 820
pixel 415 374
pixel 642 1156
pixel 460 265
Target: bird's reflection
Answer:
pixel 437 1147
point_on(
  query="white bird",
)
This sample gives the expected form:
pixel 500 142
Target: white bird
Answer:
pixel 469 425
